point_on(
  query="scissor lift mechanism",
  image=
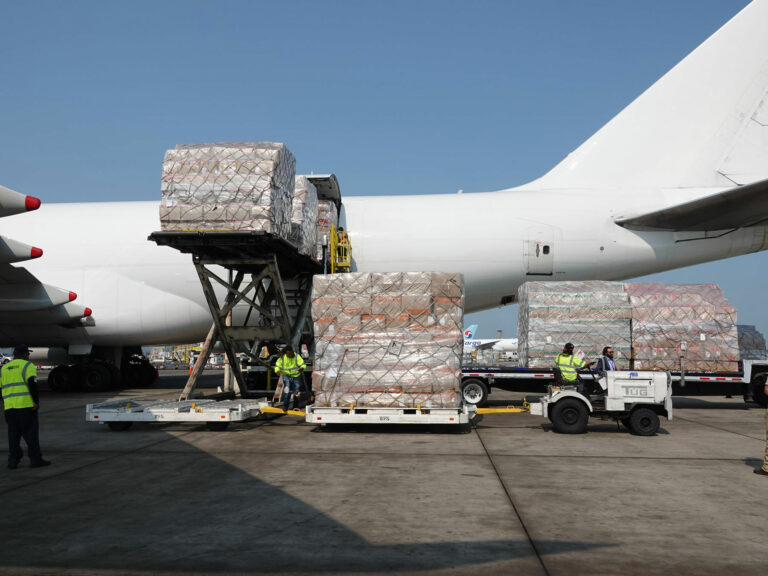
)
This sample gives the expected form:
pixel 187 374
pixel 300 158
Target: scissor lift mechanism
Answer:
pixel 259 265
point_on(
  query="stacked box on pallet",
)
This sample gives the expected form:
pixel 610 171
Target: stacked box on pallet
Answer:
pixel 751 343
pixel 327 216
pixel 664 315
pixel 228 186
pixel 589 314
pixel 304 216
pixel 388 340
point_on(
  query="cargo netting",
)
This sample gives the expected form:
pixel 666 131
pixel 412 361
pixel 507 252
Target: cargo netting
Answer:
pixel 589 314
pixel 751 343
pixel 228 186
pixel 645 324
pixel 388 339
pixel 664 315
pixel 304 213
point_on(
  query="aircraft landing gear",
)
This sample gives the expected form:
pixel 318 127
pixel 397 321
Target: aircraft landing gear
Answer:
pixel 94 375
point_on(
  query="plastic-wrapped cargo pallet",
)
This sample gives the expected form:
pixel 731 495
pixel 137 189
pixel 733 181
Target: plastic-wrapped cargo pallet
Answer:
pixel 327 216
pixel 663 315
pixel 304 216
pixel 590 314
pixel 751 343
pixel 388 340
pixel 228 186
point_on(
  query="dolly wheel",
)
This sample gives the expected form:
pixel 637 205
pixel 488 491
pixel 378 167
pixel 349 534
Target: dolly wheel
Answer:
pixel 569 416
pixel 644 422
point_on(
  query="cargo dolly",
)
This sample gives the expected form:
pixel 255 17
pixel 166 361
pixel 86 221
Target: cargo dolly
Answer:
pixel 216 414
pixel 323 415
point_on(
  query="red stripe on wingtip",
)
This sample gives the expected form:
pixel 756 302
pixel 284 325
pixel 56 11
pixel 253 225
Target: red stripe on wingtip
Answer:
pixel 87 312
pixel 72 296
pixel 35 253
pixel 32 203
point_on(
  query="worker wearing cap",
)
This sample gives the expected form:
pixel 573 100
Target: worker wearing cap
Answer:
pixel 18 380
pixel 290 366
pixel 569 364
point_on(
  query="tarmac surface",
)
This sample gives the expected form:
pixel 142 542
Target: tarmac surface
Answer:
pixel 280 496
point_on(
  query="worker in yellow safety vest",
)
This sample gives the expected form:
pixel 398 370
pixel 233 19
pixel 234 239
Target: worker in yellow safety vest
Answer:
pixel 569 364
pixel 290 365
pixel 18 380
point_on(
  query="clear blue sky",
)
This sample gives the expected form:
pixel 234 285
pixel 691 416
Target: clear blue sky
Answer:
pixel 396 97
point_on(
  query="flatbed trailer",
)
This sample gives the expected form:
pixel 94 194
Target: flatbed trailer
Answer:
pixel 477 382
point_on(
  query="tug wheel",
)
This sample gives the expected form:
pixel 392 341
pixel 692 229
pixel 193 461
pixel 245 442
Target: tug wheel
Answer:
pixel 569 416
pixel 644 422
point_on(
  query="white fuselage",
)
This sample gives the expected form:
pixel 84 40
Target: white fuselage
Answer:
pixel 141 293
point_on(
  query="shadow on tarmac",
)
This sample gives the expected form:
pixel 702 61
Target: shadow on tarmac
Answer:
pixel 181 509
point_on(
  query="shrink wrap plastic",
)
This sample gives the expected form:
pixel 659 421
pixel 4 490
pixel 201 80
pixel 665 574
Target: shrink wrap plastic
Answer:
pixel 228 187
pixel 751 343
pixel 663 315
pixel 327 216
pixel 304 211
pixel 590 314
pixel 388 340
pixel 643 322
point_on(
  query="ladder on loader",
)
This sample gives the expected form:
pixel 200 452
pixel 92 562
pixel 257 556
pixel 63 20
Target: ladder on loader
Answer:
pixel 265 277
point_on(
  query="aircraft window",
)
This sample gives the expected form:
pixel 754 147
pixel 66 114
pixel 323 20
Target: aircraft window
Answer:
pixel 546 250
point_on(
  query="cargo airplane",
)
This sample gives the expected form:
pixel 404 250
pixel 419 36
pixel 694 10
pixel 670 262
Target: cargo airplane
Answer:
pixel 503 346
pixel 679 177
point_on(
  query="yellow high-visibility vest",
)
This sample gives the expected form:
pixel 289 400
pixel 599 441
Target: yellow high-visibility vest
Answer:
pixel 13 381
pixel 290 366
pixel 569 364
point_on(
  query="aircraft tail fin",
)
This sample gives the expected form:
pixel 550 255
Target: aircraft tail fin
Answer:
pixel 469 333
pixel 704 124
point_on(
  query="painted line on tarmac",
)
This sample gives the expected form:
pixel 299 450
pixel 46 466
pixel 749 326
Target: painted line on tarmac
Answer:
pixel 512 503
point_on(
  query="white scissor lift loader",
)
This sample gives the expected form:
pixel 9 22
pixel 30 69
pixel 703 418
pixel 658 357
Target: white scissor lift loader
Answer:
pixel 635 398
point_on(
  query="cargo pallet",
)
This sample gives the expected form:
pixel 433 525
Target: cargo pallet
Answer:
pixel 217 414
pixel 360 415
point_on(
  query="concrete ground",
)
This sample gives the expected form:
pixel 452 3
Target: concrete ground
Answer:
pixel 284 497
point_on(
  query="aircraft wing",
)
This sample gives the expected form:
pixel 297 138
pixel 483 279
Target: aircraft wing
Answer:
pixel 23 298
pixel 735 208
pixel 486 345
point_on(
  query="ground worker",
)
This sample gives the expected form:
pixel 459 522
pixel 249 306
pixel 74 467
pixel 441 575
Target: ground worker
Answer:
pixel 290 366
pixel 569 364
pixel 18 380
pixel 605 362
pixel 763 471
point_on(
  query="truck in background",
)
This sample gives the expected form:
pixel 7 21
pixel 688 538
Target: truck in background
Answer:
pixel 477 382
